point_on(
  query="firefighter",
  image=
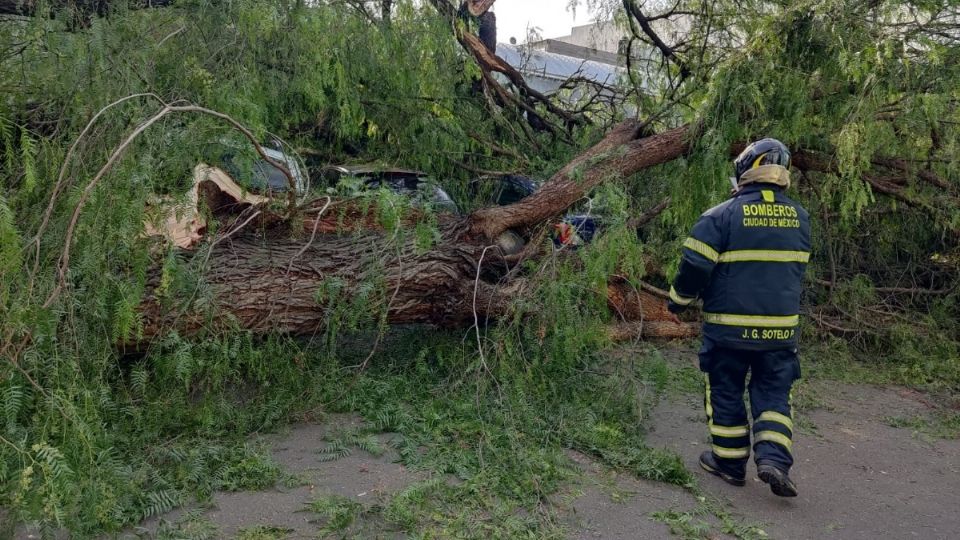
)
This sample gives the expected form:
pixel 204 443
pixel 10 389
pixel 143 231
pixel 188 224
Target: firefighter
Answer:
pixel 745 260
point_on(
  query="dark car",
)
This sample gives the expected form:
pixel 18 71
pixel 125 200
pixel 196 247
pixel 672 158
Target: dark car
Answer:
pixel 573 230
pixel 416 185
pixel 510 188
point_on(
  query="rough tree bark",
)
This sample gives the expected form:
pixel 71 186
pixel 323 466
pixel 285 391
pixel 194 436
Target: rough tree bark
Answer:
pixel 618 155
pixel 478 7
pixel 267 280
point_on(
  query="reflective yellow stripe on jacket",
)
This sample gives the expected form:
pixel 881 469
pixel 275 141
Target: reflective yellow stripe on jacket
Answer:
pixel 702 248
pixel 760 321
pixel 763 255
pixel 745 255
pixel 680 300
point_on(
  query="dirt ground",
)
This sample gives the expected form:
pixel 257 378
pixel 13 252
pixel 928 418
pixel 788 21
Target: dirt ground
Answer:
pixel 859 477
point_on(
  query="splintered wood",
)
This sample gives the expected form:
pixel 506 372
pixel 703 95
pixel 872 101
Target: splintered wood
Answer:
pixel 182 221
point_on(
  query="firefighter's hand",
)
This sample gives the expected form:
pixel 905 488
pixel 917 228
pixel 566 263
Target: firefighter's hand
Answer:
pixel 675 308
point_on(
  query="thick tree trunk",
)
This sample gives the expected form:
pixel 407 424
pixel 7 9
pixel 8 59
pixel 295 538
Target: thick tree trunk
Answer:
pixel 276 284
pixel 274 281
pixel 478 7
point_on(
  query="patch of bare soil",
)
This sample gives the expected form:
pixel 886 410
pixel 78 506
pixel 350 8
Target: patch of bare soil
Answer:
pixel 858 476
pixel 359 476
pixel 608 504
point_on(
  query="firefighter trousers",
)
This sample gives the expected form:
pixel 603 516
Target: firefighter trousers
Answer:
pixel 772 374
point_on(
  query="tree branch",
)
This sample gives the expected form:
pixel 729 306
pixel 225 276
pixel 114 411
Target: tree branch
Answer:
pixel 667 51
pixel 618 155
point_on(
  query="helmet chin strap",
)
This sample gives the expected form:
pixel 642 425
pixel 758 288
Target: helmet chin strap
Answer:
pixel 766 174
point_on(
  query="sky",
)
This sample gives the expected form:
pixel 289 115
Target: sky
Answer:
pixel 551 16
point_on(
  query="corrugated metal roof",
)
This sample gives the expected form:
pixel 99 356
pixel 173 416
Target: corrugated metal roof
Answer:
pixel 557 66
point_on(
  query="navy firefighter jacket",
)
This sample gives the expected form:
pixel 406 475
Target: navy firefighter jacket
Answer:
pixel 746 258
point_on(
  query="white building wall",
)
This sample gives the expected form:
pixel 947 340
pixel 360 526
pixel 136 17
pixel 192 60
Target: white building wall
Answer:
pixel 603 36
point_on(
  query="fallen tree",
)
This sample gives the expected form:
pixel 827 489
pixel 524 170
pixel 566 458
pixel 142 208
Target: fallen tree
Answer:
pixel 863 91
pixel 266 278
pixel 265 272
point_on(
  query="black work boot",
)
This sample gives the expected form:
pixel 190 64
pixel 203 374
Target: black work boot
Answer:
pixel 709 463
pixel 779 480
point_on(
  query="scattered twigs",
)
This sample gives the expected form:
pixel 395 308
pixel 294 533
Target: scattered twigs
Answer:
pixel 924 174
pixel 525 97
pixel 668 52
pixel 313 234
pixel 833 328
pixel 171 35
pixel 654 290
pixel 913 291
pixel 476 318
pixel 61 176
pixel 498 149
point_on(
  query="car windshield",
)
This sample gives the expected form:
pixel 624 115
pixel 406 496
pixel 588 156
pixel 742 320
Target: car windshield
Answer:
pixel 418 187
pixel 512 188
pixel 263 176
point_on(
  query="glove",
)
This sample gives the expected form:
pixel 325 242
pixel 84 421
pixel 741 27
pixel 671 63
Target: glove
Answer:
pixel 675 308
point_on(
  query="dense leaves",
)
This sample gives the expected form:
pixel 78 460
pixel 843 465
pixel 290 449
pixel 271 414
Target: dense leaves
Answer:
pixel 865 92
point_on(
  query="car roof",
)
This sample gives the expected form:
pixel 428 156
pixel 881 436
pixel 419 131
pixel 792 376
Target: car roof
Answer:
pixel 374 168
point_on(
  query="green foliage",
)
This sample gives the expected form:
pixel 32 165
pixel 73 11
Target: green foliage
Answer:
pixel 856 86
pixel 942 424
pixel 10 249
pixel 95 441
pixel 263 532
pixel 695 524
pixel 191 526
pixel 339 513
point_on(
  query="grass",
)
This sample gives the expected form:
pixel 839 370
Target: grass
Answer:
pixel 938 425
pixel 927 363
pixel 191 526
pixel 498 460
pixel 336 513
pixel 263 532
pixel 494 445
pixel 709 516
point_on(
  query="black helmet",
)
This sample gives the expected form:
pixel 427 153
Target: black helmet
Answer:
pixel 762 152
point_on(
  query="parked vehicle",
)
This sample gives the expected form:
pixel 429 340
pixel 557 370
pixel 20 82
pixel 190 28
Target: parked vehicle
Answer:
pixel 418 186
pixel 572 230
pixel 511 188
pixel 262 177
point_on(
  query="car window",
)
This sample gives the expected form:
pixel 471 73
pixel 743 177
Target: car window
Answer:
pixel 330 176
pixel 266 176
pixel 510 193
pixel 261 176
